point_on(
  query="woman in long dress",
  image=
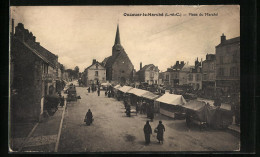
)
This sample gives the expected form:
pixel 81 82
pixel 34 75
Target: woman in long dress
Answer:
pixel 160 132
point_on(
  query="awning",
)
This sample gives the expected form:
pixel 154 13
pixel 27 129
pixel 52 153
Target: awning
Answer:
pixel 117 86
pixel 194 105
pixel 150 96
pixel 137 92
pixel 105 84
pixel 172 99
pixel 125 89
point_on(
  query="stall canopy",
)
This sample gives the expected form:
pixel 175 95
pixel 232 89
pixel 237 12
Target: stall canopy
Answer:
pixel 172 99
pixel 117 86
pixel 105 84
pixel 194 105
pixel 125 89
pixel 150 95
pixel 137 92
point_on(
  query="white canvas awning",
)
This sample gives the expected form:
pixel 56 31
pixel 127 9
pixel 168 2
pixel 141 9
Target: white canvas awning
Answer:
pixel 105 84
pixel 172 99
pixel 150 95
pixel 125 89
pixel 117 86
pixel 137 92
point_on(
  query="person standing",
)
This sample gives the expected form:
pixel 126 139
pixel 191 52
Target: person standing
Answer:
pixel 151 113
pixel 88 89
pixel 89 117
pixel 98 91
pixel 160 132
pixel 147 132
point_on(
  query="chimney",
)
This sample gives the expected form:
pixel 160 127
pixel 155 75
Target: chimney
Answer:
pixel 223 38
pixel 177 62
pixel 196 61
pixel 182 62
pixel 141 65
pixel 94 61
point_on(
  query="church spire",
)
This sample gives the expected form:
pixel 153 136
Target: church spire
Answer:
pixel 117 40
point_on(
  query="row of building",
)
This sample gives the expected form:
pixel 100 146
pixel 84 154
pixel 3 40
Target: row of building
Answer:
pixel 218 73
pixel 34 73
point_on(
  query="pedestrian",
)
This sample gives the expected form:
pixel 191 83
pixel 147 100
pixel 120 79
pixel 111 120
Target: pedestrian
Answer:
pixel 148 113
pixel 88 117
pixel 151 114
pixel 160 132
pixel 98 91
pixel 137 107
pixel 88 89
pixel 106 92
pixel 147 132
pixel 62 101
pixel 128 110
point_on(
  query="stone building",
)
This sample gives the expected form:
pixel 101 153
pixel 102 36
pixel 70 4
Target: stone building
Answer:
pixel 149 74
pixel 119 68
pixel 208 75
pixel 33 75
pixel 195 76
pixel 94 74
pixel 228 67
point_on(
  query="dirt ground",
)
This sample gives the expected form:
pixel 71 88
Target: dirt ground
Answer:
pixel 113 131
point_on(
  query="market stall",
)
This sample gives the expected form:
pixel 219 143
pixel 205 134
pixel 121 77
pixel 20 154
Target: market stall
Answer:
pixel 170 105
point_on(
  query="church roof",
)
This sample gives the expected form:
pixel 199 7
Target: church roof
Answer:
pixel 117 39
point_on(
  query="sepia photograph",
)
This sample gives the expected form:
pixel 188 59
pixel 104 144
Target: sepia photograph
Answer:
pixel 141 79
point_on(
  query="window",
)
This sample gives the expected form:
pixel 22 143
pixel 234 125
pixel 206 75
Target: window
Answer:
pixel 233 71
pixel 197 77
pixel 190 77
pixel 167 77
pixel 155 81
pixel 96 73
pixel 221 71
pixel 123 71
pixel 205 77
pixel 151 74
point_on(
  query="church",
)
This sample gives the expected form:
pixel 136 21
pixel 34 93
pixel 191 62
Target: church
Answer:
pixel 119 68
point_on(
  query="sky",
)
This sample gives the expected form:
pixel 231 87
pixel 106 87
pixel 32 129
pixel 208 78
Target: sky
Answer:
pixel 79 34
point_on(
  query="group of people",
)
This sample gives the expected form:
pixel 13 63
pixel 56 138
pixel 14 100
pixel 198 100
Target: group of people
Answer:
pixel 144 107
pixel 109 92
pixel 94 88
pixel 160 129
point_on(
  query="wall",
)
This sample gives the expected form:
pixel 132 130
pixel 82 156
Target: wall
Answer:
pixel 91 74
pixel 122 68
pixel 28 82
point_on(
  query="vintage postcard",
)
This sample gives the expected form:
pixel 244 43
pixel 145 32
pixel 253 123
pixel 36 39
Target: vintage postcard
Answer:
pixel 162 78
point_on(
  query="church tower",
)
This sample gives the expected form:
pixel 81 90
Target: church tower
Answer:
pixel 117 48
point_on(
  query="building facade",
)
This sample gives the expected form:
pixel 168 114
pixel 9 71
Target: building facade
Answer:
pixel 195 76
pixel 119 68
pixel 33 74
pixel 209 75
pixel 228 67
pixel 149 74
pixel 94 74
